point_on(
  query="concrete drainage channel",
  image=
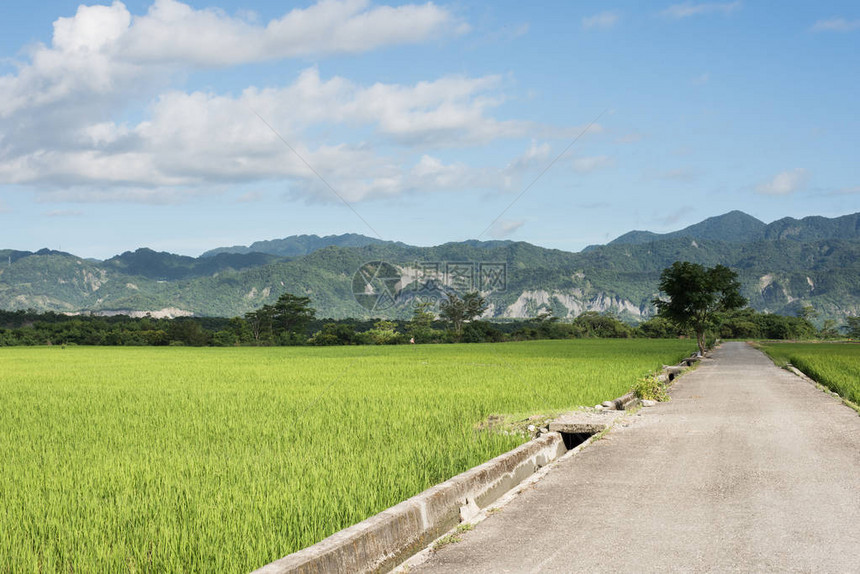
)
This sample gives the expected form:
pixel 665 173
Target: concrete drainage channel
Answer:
pixel 386 540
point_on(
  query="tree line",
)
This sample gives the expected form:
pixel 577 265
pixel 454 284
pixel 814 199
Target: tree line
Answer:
pixel 32 328
pixel 699 302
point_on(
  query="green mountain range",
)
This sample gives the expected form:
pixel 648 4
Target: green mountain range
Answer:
pixel 783 266
pixel 298 245
pixel 738 227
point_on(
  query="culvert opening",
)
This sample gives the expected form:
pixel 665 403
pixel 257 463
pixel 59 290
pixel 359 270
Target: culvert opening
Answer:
pixel 574 439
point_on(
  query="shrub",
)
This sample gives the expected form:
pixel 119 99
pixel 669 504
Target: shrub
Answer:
pixel 651 388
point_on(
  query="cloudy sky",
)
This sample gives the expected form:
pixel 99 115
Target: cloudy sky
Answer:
pixel 183 126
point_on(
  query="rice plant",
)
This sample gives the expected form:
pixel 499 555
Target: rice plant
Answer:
pixel 201 460
pixel 834 365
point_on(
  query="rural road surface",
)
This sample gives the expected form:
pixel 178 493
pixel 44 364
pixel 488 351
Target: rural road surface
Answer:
pixel 747 469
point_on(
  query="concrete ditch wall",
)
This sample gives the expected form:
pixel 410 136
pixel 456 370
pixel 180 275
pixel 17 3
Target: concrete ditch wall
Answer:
pixel 382 542
pixel 385 540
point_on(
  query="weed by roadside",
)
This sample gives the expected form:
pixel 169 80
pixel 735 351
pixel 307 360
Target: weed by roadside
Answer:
pixel 651 388
pixel 454 537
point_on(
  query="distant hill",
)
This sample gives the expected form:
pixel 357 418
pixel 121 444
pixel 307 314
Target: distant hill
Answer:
pixel 735 227
pixel 815 228
pixel 298 245
pixel 787 264
pixel 738 227
pixel 169 267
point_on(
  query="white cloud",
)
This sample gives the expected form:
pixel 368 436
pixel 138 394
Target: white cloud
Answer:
pixel 688 9
pixel 435 174
pixel 59 132
pixel 172 31
pixel 504 228
pixel 103 53
pixel 92 28
pixel 80 66
pixel 428 175
pixel 449 111
pixel 201 138
pixel 602 20
pixel 785 183
pixel 537 155
pixel 836 25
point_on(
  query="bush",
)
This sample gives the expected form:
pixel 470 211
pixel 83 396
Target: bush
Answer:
pixel 593 324
pixel 383 333
pixel 659 328
pixel 335 334
pixel 651 388
pixel 481 332
pixel 225 339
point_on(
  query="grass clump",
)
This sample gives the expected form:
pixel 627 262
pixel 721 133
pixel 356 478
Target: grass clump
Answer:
pixel 453 537
pixel 651 388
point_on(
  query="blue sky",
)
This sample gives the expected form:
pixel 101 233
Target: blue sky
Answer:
pixel 152 123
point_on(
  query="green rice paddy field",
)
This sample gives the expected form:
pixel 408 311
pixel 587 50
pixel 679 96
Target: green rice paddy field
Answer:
pixel 204 460
pixel 834 365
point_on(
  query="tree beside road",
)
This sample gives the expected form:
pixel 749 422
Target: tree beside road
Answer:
pixel 698 296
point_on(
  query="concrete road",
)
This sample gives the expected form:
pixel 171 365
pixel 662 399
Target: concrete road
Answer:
pixel 747 469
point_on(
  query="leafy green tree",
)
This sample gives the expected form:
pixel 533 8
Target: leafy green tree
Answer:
pixel 420 327
pixel 547 326
pixel 184 331
pixel 750 324
pixel 853 327
pixel 458 311
pixel 829 330
pixel 453 310
pixel 291 315
pixel 606 326
pixel 259 324
pixel 239 328
pixel 475 305
pixel 383 333
pixel 773 326
pixel 658 328
pixel 482 332
pixel 741 324
pixel 546 317
pixel 698 296
pixel 156 337
pixel 335 334
pixel 225 338
pixel 807 312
